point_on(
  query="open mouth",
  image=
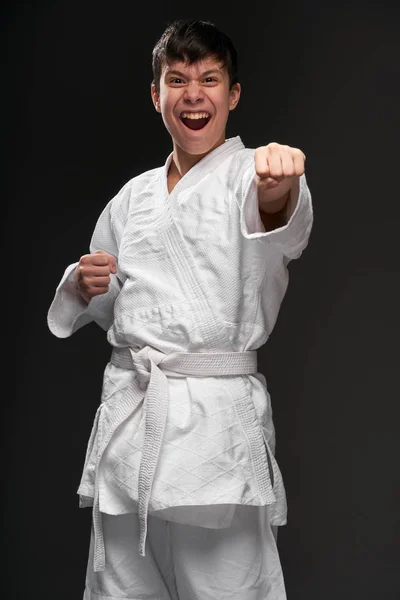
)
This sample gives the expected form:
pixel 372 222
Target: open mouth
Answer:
pixel 195 121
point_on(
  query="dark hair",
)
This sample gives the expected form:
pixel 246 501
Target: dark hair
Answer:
pixel 189 41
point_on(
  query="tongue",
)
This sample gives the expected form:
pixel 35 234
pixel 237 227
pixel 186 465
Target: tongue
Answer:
pixel 195 123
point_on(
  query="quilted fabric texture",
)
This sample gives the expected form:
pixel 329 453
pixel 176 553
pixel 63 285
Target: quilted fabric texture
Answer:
pixel 196 273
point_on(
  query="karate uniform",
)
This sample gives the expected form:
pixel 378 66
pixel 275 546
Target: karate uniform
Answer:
pixel 184 431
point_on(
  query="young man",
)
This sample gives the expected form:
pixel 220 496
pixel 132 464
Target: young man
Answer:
pixel 186 273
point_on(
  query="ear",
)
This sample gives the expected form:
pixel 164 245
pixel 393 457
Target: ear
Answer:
pixel 234 96
pixel 155 96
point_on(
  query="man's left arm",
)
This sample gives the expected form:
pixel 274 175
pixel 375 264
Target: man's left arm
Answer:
pixel 277 166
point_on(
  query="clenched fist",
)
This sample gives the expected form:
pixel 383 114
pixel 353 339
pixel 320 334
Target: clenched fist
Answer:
pixel 276 162
pixel 92 275
pixel 276 166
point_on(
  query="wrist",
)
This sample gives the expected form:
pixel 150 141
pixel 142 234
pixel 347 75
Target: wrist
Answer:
pixel 276 206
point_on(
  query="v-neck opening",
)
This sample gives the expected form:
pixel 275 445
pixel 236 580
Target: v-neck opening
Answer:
pixel 197 171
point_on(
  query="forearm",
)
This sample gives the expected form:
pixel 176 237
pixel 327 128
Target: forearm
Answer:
pixel 276 204
pixel 278 218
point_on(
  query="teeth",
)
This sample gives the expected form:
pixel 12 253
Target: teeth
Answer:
pixel 200 115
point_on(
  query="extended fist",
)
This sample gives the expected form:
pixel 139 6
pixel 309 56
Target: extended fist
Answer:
pixel 274 163
pixel 92 275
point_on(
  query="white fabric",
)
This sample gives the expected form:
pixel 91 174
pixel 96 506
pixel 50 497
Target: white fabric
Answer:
pixel 151 368
pixel 189 563
pixel 196 273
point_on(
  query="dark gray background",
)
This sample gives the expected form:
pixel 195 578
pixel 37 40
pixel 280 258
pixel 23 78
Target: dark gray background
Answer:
pixel 79 123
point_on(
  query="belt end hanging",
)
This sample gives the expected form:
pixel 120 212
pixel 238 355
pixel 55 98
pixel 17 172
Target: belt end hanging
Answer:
pixel 99 554
pixel 143 535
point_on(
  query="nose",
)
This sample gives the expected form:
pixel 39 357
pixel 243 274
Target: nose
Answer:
pixel 193 93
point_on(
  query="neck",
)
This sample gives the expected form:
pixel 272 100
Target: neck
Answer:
pixel 182 161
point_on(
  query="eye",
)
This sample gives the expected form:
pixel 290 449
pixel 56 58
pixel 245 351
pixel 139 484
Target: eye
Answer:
pixel 211 80
pixel 176 80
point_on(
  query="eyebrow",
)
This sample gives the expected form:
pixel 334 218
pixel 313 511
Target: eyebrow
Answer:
pixel 205 74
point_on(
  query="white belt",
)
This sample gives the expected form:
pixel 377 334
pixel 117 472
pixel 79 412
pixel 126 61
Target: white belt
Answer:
pixel 152 368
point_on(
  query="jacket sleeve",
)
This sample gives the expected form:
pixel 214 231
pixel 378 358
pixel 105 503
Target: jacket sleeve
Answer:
pixel 290 239
pixel 68 311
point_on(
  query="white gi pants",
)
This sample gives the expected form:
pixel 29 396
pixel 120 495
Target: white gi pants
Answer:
pixel 184 562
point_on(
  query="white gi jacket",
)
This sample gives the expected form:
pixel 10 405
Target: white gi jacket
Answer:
pixel 197 273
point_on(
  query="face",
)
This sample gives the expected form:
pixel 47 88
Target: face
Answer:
pixel 194 102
